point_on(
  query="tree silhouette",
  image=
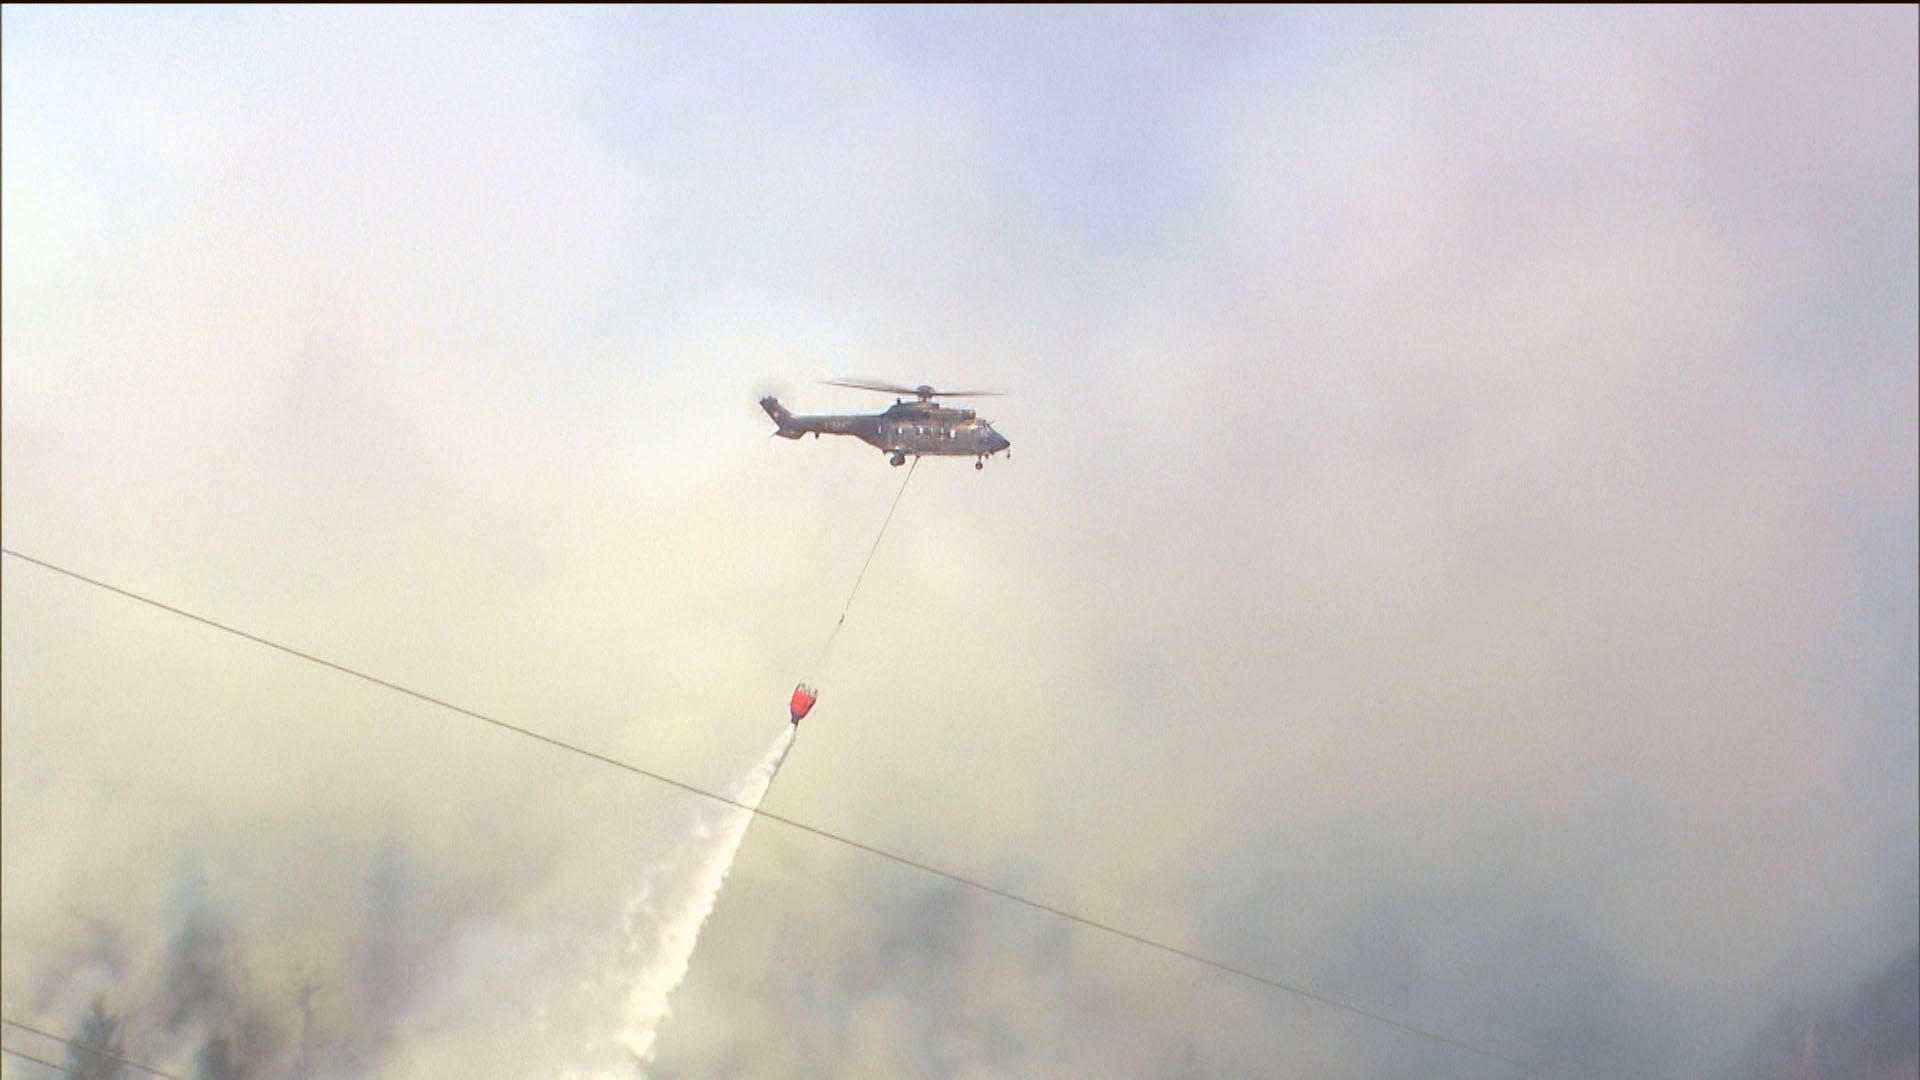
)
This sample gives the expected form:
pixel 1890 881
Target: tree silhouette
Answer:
pixel 216 1060
pixel 95 1055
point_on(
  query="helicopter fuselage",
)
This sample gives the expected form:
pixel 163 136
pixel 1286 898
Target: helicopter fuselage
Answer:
pixel 908 427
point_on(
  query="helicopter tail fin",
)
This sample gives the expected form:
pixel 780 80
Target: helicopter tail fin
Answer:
pixel 782 419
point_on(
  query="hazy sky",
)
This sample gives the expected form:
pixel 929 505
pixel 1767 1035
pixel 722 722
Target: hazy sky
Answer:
pixel 1457 555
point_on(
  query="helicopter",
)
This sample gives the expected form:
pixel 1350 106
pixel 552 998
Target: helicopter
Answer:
pixel 919 427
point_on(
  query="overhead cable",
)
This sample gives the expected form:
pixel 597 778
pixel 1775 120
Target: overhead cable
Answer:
pixel 94 1050
pixel 903 860
pixel 35 1060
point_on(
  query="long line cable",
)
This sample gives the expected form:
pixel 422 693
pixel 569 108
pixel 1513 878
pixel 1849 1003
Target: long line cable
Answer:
pixel 957 878
pixel 94 1050
pixel 862 575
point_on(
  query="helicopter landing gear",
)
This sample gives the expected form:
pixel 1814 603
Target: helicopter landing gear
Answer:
pixel 897 460
pixel 981 464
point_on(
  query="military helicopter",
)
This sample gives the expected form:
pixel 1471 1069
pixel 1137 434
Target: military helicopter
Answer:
pixel 921 426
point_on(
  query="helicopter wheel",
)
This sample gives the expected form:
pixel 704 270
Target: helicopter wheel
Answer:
pixel 897 460
pixel 979 465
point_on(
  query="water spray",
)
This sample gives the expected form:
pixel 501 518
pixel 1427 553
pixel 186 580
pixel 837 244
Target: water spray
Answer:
pixel 665 928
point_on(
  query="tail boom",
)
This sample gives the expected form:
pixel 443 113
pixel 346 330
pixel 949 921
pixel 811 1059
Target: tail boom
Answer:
pixel 788 426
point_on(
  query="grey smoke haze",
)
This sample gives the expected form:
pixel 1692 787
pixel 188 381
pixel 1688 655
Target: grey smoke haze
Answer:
pixel 1458 552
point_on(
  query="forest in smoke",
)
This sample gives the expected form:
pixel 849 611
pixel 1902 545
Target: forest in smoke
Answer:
pixel 224 1027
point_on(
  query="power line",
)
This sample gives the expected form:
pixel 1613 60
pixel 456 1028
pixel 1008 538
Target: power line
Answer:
pixel 35 1060
pixel 94 1050
pixel 959 879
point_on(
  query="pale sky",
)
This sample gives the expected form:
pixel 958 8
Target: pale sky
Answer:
pixel 1457 554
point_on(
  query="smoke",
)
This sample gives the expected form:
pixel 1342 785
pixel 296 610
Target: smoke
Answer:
pixel 1872 1030
pixel 669 906
pixel 195 1005
pixel 212 998
pixel 1460 553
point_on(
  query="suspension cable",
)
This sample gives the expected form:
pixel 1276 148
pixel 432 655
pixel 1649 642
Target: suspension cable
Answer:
pixel 862 575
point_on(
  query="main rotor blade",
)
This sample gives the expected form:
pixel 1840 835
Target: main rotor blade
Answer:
pixel 915 391
pixel 871 384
